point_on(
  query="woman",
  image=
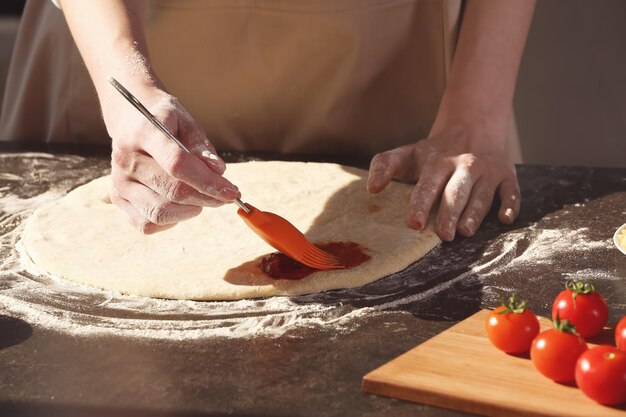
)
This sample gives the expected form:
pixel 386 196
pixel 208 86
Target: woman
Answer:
pixel 314 76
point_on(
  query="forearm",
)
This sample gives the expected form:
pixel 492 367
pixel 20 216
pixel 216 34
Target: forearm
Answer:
pixel 111 39
pixel 482 79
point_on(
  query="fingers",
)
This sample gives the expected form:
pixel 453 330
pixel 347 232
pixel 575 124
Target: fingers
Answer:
pixel 203 149
pixel 206 153
pixel 426 193
pixel 477 208
pixel 460 170
pixel 176 118
pixel 142 168
pixel 510 198
pixel 148 211
pixel 157 183
pixel 454 200
pixel 136 219
pixel 478 205
pixel 465 187
pixel 387 165
pixel 189 169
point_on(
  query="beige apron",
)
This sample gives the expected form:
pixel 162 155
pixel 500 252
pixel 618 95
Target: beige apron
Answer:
pixel 314 76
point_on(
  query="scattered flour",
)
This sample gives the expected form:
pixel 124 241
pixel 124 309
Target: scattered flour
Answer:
pixel 29 293
pixel 542 245
pixel 14 205
pixel 455 270
pixel 52 303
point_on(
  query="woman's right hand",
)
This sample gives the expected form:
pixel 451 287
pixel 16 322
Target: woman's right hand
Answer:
pixel 155 182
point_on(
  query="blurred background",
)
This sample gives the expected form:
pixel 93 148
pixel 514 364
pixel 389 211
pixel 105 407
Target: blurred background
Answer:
pixel 10 11
pixel 570 101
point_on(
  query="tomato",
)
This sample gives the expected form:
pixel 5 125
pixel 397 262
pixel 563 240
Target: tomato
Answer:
pixel 512 327
pixel 583 306
pixel 620 334
pixel 601 374
pixel 554 352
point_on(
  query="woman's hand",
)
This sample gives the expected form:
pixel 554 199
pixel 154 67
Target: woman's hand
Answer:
pixel 156 183
pixel 463 162
pixel 461 177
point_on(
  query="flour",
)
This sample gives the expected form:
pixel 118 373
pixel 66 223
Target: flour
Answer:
pixel 542 246
pixel 64 306
pixel 535 248
pixel 461 272
pixel 597 274
pixel 13 205
pixel 31 294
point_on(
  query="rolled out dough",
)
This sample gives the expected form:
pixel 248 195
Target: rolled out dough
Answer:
pixel 84 238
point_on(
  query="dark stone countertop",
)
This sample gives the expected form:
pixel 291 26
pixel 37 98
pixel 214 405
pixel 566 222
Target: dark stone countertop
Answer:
pixel 312 371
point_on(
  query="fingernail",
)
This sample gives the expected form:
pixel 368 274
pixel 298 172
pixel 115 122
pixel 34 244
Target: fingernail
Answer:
pixel 374 183
pixel 469 226
pixel 508 213
pixel 214 160
pixel 418 220
pixel 228 194
pixel 448 230
pixel 210 155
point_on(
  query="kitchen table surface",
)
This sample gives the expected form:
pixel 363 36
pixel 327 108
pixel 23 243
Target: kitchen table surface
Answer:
pixel 70 352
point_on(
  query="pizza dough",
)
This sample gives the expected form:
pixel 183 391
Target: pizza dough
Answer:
pixel 84 238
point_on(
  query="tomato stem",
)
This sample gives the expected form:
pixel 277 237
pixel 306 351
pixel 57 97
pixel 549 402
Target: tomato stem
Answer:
pixel 564 326
pixel 512 305
pixel 579 287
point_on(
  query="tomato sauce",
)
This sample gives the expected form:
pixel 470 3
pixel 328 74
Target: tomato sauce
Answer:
pixel 373 208
pixel 280 266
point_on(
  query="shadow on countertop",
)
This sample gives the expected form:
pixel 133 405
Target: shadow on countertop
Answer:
pixel 14 331
pixel 38 409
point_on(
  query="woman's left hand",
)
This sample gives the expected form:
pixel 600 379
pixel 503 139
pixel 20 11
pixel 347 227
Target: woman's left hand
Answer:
pixel 463 163
pixel 457 168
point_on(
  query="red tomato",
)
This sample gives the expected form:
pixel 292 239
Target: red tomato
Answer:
pixel 554 352
pixel 601 375
pixel 512 327
pixel 583 306
pixel 620 334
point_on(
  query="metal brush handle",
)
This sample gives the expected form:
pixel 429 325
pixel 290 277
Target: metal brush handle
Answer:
pixel 142 109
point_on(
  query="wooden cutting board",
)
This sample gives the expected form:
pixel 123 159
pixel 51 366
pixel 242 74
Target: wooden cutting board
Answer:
pixel 461 370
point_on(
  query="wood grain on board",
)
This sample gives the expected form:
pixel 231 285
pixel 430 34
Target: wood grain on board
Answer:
pixel 461 370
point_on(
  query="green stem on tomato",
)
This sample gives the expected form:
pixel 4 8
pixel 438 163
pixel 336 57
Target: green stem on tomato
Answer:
pixel 564 326
pixel 512 305
pixel 579 287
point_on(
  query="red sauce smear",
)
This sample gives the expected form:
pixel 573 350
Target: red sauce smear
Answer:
pixel 373 208
pixel 280 266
